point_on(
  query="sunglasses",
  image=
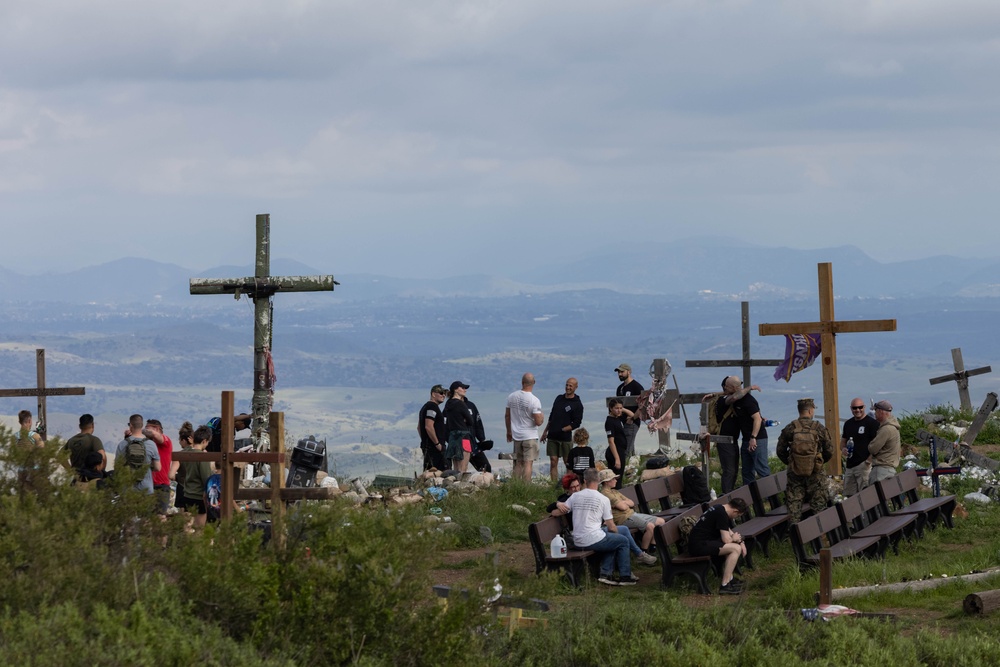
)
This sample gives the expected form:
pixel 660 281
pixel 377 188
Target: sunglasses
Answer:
pixel 857 407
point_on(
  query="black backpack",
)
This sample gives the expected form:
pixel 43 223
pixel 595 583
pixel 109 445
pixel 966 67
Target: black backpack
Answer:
pixel 695 487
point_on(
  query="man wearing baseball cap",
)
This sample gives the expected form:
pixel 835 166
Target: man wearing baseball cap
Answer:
pixel 628 387
pixel 430 427
pixel 884 447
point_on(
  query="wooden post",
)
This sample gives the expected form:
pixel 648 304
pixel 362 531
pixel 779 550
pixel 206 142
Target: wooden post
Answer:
pixel 41 392
pixel 746 362
pixel 961 378
pixel 825 576
pixel 277 425
pixel 981 603
pixel 228 472
pixel 828 328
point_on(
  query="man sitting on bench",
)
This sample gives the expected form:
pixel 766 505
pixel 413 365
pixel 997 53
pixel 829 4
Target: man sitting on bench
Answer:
pixel 714 535
pixel 594 529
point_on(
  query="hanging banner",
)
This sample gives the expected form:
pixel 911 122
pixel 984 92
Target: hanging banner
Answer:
pixel 800 351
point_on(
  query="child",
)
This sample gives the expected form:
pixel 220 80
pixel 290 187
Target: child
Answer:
pixel 581 456
pixel 195 475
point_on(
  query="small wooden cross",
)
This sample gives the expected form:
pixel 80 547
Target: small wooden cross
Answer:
pixel 260 288
pixel 746 362
pixel 828 327
pixel 41 391
pixel 961 377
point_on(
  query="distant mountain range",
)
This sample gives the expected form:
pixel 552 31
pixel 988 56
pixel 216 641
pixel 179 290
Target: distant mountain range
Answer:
pixel 689 268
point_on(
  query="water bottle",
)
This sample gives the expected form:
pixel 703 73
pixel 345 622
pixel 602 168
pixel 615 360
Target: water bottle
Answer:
pixel 850 447
pixel 772 422
pixel 558 547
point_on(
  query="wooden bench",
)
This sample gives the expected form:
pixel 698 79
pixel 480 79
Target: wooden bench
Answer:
pixel 875 507
pixel 756 530
pixel 856 520
pixel 576 562
pixel 657 492
pixel 824 530
pixel 673 560
pixel 900 493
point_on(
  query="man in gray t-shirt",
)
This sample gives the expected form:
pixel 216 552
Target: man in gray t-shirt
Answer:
pixel 151 461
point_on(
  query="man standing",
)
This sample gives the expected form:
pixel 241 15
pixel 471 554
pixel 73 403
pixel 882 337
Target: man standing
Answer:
pixel 750 425
pixel 861 428
pixel 161 475
pixel 594 529
pixel 804 446
pixel 566 415
pixel 884 447
pixel 430 427
pixel 523 416
pixel 614 428
pixel 138 452
pixel 628 387
pixel 83 443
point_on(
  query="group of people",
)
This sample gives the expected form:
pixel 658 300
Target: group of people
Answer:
pixel 146 452
pixel 453 437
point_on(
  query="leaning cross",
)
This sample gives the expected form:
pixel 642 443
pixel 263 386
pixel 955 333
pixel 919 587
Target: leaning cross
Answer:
pixel 828 327
pixel 961 377
pixel 261 287
pixel 41 391
pixel 746 362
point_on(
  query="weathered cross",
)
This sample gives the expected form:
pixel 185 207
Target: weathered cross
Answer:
pixel 746 362
pixel 41 391
pixel 261 287
pixel 961 377
pixel 828 327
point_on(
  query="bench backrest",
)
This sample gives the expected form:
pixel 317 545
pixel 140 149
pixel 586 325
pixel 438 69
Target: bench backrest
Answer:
pixel 806 534
pixel 852 516
pixel 540 534
pixel 908 483
pixel 654 495
pixel 746 496
pixel 724 498
pixel 669 533
pixel 782 480
pixel 675 486
pixel 766 494
pixel 829 523
pixel 632 493
pixel 891 492
pixel 871 504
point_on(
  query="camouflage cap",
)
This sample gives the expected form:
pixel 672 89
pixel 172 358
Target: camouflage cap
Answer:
pixel 623 367
pixel 806 403
pixel 438 389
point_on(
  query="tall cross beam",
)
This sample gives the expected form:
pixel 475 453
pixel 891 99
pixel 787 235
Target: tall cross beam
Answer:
pixel 42 392
pixel 746 362
pixel 260 288
pixel 828 327
pixel 961 377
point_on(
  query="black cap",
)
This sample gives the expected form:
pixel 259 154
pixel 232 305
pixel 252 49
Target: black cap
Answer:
pixel 458 383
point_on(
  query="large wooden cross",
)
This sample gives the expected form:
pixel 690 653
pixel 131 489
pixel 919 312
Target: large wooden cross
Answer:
pixel 260 288
pixel 961 377
pixel 41 391
pixel 746 362
pixel 828 327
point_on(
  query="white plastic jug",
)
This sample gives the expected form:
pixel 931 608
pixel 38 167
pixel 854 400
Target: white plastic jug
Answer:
pixel 558 547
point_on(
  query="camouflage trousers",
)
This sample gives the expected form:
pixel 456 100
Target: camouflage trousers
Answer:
pixel 814 489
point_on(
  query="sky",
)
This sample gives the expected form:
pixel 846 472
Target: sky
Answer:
pixel 412 138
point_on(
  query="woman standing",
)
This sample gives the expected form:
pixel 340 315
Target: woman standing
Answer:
pixel 459 423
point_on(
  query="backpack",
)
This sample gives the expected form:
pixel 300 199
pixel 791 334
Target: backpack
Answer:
pixel 657 462
pixel 135 453
pixel 803 455
pixel 714 422
pixel 695 489
pixel 685 527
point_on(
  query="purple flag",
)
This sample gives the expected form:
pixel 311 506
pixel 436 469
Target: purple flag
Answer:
pixel 800 351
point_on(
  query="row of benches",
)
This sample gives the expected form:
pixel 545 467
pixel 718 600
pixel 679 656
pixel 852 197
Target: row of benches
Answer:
pixel 865 524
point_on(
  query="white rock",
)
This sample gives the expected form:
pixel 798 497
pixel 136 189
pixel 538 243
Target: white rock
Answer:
pixel 978 497
pixel 521 509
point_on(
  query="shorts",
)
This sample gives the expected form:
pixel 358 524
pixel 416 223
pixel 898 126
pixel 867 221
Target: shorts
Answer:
pixel 162 494
pixel 526 450
pixel 639 521
pixel 710 548
pixel 558 448
pixel 190 504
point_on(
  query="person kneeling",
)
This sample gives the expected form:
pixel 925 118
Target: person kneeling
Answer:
pixel 715 535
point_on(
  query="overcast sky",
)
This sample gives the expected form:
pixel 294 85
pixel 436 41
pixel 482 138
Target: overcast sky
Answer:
pixel 410 137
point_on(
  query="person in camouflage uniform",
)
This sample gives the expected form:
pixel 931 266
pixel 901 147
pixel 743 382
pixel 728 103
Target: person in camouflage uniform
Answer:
pixel 804 446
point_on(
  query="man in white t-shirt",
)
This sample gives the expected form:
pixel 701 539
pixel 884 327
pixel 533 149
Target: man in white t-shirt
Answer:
pixel 594 529
pixel 523 417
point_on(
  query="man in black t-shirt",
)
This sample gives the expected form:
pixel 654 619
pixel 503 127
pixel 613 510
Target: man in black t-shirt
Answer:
pixel 628 387
pixel 861 427
pixel 614 428
pixel 430 427
pixel 566 415
pixel 714 535
pixel 86 442
pixel 753 451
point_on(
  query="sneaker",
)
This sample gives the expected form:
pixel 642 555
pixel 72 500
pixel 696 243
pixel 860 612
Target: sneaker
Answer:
pixel 606 579
pixel 730 589
pixel 647 559
pixel 630 580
